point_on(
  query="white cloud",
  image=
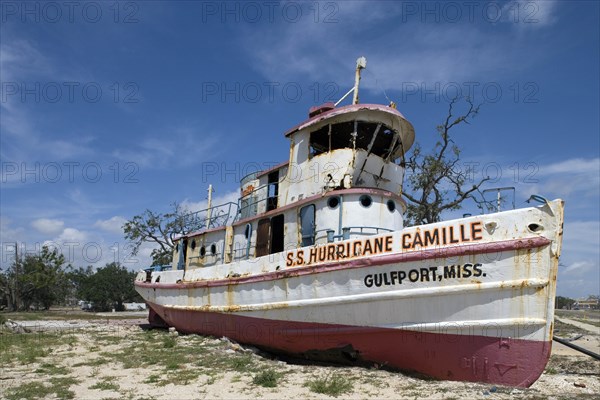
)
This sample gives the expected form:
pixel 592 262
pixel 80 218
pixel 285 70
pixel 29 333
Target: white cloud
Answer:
pixel 567 179
pixel 581 239
pixel 530 14
pixel 193 206
pixel 590 167
pixel 404 47
pixel 72 235
pixel 579 274
pixel 172 149
pixel 48 226
pixel 19 60
pixel 23 64
pixel 112 225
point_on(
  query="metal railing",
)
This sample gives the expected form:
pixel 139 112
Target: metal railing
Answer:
pixel 497 202
pixel 221 215
pixel 248 203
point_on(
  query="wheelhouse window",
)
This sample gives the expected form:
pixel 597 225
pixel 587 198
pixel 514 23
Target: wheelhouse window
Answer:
pixel 375 138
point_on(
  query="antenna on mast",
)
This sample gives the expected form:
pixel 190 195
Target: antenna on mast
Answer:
pixel 209 208
pixel 361 63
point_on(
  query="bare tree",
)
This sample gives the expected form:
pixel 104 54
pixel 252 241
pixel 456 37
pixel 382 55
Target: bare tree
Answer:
pixel 157 228
pixel 435 182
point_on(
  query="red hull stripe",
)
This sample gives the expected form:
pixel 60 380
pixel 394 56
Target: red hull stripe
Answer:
pixel 504 361
pixel 481 248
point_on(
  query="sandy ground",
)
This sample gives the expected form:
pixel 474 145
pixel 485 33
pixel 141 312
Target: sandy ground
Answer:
pixel 568 375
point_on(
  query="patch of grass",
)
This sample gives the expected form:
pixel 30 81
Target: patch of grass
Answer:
pixel 154 378
pixel 551 371
pixel 28 347
pixel 240 364
pixel 182 377
pixel 29 355
pixel 267 378
pixel 105 384
pixel 38 390
pixel 52 369
pixel 331 384
pixel 93 363
pixel 29 390
pixel 169 342
pixel 172 364
pixel 108 339
pixel 63 315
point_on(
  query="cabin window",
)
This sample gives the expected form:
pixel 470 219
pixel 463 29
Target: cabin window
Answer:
pixel 391 205
pixel 273 190
pixel 319 141
pixel 333 202
pixel 213 249
pixel 365 200
pixel 193 245
pixel 307 225
pixel 375 138
pixel 182 254
pixel 202 251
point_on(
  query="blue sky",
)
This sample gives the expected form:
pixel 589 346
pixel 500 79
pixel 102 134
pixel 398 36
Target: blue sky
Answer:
pixel 111 108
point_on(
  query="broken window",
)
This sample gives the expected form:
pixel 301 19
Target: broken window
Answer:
pixel 373 137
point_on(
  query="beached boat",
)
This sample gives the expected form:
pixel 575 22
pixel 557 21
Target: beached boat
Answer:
pixel 314 261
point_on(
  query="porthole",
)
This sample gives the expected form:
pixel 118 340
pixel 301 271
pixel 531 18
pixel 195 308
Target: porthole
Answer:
pixel 391 205
pixel 333 202
pixel 202 251
pixel 247 231
pixel 365 200
pixel 193 245
pixel 213 249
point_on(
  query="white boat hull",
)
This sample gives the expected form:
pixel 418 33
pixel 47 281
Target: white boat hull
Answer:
pixel 468 299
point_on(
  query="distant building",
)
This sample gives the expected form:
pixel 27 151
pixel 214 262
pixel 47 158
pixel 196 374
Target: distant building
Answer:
pixel 134 306
pixel 590 303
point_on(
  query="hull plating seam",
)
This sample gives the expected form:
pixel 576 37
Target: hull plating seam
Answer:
pixel 368 297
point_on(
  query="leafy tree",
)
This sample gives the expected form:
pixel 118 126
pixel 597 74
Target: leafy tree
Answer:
pixel 435 181
pixel 34 281
pixel 156 228
pixel 109 287
pixel 563 302
pixel 77 279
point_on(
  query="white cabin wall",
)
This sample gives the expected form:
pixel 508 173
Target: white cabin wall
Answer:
pixel 391 178
pixel 377 215
pixel 205 240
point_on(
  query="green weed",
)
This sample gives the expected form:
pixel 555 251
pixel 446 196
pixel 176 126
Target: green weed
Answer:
pixel 331 384
pixel 267 378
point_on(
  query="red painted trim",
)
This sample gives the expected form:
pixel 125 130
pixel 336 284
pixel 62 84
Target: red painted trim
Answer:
pixel 344 110
pixel 456 251
pixel 496 360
